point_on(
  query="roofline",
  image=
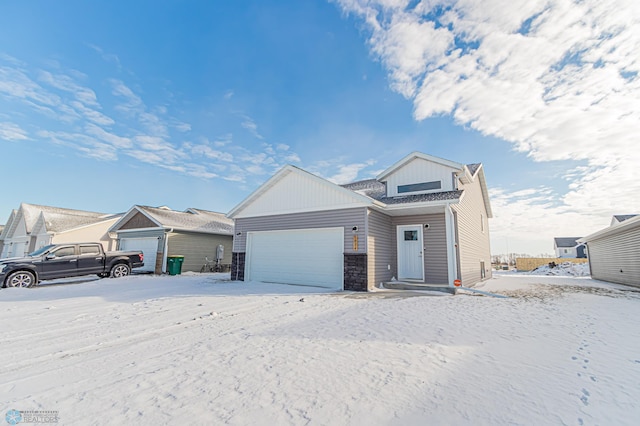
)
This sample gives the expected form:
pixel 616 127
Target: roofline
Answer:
pixel 280 174
pixel 421 155
pixel 629 223
pixel 485 190
pixel 435 203
pixel 126 215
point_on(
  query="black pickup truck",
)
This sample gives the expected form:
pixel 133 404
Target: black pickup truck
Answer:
pixel 67 260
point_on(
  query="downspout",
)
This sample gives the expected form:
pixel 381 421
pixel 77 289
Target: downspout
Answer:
pixel 166 249
pixel 451 241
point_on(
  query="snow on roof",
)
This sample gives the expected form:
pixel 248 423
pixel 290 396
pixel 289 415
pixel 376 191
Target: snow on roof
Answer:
pixel 473 168
pixel 378 191
pixel 64 219
pixel 192 220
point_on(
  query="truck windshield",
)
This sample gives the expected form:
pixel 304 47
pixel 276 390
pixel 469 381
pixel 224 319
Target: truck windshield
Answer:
pixel 40 251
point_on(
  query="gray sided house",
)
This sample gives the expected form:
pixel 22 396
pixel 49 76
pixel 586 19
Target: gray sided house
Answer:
pixel 614 252
pixel 160 232
pixel 423 220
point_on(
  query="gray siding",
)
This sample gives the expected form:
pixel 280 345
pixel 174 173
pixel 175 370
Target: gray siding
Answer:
pixel 347 218
pixel 195 247
pixel 435 246
pixel 473 242
pixel 379 244
pixel 616 258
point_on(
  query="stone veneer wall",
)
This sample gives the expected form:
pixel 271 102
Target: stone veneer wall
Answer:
pixel 355 272
pixel 237 266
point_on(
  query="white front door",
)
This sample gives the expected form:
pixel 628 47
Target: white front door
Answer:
pixel 410 251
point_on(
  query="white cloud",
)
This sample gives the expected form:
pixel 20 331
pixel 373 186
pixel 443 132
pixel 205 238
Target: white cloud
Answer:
pixel 132 103
pixel 110 138
pixel 251 126
pixel 558 79
pixel 210 153
pixel 12 132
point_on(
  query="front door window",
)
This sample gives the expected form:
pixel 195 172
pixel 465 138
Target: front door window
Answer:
pixel 410 253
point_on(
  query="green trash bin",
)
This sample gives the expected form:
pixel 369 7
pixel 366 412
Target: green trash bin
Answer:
pixel 174 264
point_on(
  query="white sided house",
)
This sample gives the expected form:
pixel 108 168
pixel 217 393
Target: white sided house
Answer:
pixel 161 232
pixel 614 252
pixel 421 221
pixel 34 226
pixel 569 247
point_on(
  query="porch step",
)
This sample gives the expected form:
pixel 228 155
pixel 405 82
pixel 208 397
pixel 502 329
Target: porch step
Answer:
pixel 403 285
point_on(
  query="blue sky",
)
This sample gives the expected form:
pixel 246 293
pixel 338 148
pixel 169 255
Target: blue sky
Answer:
pixel 194 104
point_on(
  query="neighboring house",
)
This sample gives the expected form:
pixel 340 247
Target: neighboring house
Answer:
pixel 569 247
pixel 160 232
pixel 33 226
pixel 614 252
pixel 619 218
pixel 1 240
pixel 423 220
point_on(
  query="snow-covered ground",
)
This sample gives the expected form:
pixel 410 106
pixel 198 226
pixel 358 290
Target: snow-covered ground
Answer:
pixel 565 269
pixel 199 350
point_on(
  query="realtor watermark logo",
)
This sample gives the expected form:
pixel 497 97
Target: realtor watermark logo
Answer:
pixel 15 417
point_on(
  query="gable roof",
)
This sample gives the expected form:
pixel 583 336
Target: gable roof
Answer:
pixel 7 226
pixel 66 218
pixel 420 155
pixel 288 171
pixel 622 217
pixel 194 220
pixel 621 227
pixel 566 242
pixel 63 218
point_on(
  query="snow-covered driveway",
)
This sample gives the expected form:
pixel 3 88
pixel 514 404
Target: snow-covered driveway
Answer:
pixel 196 350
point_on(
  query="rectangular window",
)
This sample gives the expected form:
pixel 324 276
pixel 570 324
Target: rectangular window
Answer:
pixel 415 187
pixel 89 250
pixel 483 272
pixel 411 235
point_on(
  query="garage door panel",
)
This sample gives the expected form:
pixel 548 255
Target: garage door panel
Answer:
pixel 148 246
pixel 304 257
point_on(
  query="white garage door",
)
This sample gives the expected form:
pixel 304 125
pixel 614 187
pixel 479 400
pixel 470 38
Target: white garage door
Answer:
pixel 306 257
pixel 149 247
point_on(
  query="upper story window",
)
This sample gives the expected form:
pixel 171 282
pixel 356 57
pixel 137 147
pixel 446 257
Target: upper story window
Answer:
pixel 423 186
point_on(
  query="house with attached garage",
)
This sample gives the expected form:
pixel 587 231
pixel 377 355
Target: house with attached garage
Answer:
pixel 614 252
pixel 161 232
pixel 423 220
pixel 33 226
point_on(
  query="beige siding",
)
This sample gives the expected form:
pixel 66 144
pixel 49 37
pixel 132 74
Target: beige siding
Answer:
pixel 379 243
pixel 616 257
pixel 435 246
pixel 473 240
pixel 195 247
pixel 97 232
pixel 347 218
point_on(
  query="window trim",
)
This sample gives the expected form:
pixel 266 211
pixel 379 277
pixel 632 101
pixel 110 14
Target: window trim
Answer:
pixel 418 187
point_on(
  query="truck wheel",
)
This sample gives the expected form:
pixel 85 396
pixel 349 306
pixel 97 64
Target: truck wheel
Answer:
pixel 120 270
pixel 21 279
